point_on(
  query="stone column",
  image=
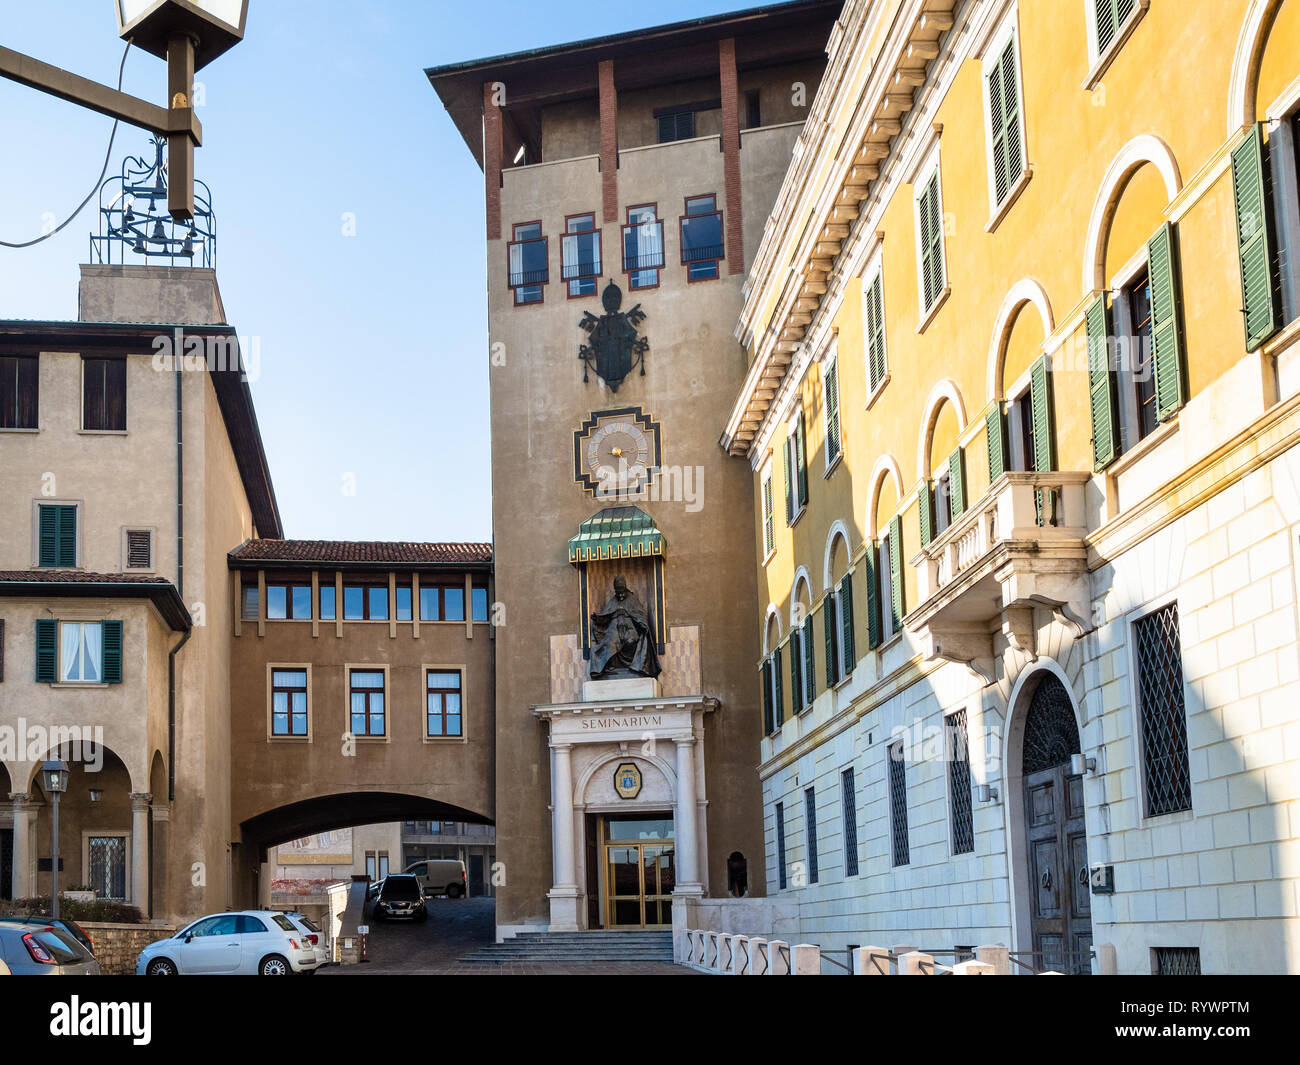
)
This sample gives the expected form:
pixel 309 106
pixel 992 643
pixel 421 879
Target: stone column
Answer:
pixel 564 893
pixel 685 843
pixel 140 802
pixel 22 856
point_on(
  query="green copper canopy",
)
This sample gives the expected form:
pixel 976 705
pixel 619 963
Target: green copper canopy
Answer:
pixel 616 532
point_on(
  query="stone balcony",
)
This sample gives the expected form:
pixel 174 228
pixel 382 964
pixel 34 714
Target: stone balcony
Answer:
pixel 1017 548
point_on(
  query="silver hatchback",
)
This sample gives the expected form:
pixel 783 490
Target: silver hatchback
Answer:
pixel 36 950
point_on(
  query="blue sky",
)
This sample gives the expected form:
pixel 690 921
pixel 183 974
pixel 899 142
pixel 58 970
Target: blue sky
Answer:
pixel 373 347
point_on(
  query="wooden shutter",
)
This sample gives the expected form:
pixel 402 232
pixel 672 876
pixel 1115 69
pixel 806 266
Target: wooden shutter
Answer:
pixel 875 332
pixel 139 549
pixel 763 674
pixel 926 501
pixel 995 431
pixel 809 662
pixel 1166 336
pixel 112 652
pixel 956 484
pixel 846 623
pixel 796 671
pixel 67 543
pixel 789 480
pixel 832 399
pixel 1040 399
pixel 48 535
pixel 1256 244
pixel 801 457
pixel 47 651
pixel 873 596
pixel 832 641
pixel 1110 16
pixel 896 571
pixel 1101 386
pixel 1004 122
pixel 931 242
pixel 778 704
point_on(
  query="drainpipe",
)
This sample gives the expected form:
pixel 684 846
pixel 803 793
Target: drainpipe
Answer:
pixel 171 714
pixel 178 368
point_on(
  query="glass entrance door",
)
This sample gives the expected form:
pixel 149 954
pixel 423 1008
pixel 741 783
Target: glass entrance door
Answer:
pixel 640 872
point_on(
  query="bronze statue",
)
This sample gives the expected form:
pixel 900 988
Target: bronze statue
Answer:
pixel 623 638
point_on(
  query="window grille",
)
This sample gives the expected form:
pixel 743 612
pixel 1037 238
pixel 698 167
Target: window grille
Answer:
pixel 963 828
pixel 898 803
pixel 1162 712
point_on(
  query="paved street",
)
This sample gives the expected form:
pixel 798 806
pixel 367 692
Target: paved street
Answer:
pixel 454 929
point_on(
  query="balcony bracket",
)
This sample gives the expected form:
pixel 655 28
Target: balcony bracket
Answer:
pixel 967 645
pixel 1018 629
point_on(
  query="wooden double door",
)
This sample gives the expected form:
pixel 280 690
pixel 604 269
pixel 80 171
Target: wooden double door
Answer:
pixel 1057 848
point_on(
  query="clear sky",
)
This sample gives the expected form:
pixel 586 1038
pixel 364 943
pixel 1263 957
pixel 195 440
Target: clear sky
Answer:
pixel 373 347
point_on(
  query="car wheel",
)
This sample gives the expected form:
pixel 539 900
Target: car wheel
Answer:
pixel 454 891
pixel 160 967
pixel 273 965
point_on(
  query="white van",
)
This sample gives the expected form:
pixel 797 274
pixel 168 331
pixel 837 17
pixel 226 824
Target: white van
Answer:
pixel 441 876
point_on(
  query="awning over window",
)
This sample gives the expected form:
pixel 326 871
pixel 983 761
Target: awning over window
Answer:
pixel 616 532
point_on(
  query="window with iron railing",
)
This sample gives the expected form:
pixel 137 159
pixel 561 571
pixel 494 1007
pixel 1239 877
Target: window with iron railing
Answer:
pixel 702 245
pixel 528 267
pixel 643 246
pixel 1162 712
pixel 901 851
pixel 580 255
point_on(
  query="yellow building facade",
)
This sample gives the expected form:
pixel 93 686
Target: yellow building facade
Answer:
pixel 1022 411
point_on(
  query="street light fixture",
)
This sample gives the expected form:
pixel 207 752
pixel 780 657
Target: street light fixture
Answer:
pixel 54 777
pixel 189 34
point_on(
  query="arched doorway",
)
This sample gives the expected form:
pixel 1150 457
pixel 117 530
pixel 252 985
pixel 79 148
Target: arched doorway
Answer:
pixel 1055 839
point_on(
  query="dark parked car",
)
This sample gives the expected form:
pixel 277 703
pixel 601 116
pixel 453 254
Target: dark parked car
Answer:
pixel 44 950
pixel 64 924
pixel 400 896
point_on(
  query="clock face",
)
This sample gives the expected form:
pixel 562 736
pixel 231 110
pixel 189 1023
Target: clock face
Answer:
pixel 616 452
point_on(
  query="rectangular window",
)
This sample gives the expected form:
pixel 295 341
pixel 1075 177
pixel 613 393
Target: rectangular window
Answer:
pixel 1109 17
pixel 929 223
pixel 288 602
pixel 383 864
pixel 769 525
pixel 753 109
pixel 643 246
pixel 103 394
pixel 108 867
pixel 250 604
pixel 1006 147
pixel 56 535
pixel 780 845
pixel 444 603
pixel 139 549
pixel 366 702
pixel 288 702
pixel 479 602
pixel 580 254
pixel 898 804
pixel 849 804
pixel 362 602
pixel 1178 961
pixel 676 126
pixel 327 602
pixel 942 503
pixel 1138 299
pixel 371 869
pixel 1162 712
pixel 810 817
pixel 529 269
pixel 442 703
pixel 702 245
pixel 832 405
pixel 403 605
pixel 959 796
pixel 19 390
pixel 81 652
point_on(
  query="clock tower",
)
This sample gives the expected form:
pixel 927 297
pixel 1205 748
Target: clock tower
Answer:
pixel 627 182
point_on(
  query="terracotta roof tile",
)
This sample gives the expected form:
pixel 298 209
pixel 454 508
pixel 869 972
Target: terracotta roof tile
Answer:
pixel 361 551
pixel 76 576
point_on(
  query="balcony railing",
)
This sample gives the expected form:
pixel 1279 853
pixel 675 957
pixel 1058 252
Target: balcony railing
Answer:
pixel 528 262
pixel 702 237
pixel 643 246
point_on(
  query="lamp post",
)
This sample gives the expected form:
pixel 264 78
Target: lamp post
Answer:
pixel 189 34
pixel 54 775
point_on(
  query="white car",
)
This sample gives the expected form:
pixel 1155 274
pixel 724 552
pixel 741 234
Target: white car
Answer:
pixel 247 942
pixel 312 933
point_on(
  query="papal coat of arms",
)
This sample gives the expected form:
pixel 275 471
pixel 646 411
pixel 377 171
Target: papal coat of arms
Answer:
pixel 614 349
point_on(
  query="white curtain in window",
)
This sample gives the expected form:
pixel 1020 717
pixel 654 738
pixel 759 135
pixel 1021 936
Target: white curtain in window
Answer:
pixel 651 242
pixel 516 261
pixel 69 643
pixel 92 653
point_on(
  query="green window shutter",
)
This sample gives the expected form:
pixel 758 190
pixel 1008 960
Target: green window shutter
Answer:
pixel 832 643
pixel 789 480
pixel 779 708
pixel 1040 400
pixel 796 674
pixel 896 571
pixel 48 536
pixel 873 598
pixel 112 652
pixel 67 536
pixel 995 431
pixel 801 456
pixel 1111 15
pixel 846 623
pixel 875 332
pixel 47 651
pixel 769 526
pixel 1165 333
pixel 1260 294
pixel 931 229
pixel 956 484
pixel 1004 121
pixel 926 501
pixel 832 412
pixel 1101 386
pixel 763 674
pixel 809 661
